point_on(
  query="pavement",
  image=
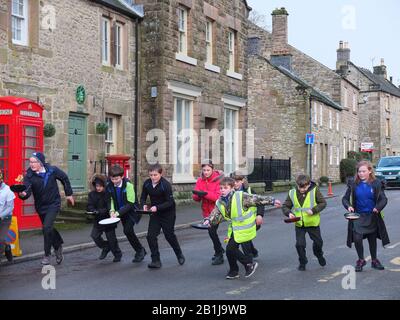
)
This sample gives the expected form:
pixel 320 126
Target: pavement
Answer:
pixel 31 243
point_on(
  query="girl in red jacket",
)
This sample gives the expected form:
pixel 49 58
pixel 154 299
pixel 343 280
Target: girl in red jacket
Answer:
pixel 209 182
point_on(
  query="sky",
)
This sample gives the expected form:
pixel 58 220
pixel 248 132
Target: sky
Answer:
pixel 371 27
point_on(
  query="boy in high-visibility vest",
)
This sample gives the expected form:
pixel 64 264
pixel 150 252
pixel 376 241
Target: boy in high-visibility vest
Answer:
pixel 236 207
pixel 306 202
pixel 6 208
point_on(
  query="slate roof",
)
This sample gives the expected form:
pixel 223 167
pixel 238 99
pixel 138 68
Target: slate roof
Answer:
pixel 134 11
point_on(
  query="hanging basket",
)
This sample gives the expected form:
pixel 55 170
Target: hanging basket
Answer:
pixel 101 128
pixel 49 130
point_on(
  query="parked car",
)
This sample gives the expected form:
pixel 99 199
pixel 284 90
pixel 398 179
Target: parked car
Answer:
pixel 388 170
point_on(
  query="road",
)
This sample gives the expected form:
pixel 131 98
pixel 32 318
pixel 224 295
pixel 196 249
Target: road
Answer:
pixel 82 276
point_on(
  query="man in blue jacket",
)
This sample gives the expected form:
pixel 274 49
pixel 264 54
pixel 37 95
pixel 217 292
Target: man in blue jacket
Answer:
pixel 41 181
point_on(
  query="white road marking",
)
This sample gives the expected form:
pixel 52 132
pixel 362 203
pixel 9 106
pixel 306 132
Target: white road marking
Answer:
pixel 396 261
pixel 242 289
pixel 394 245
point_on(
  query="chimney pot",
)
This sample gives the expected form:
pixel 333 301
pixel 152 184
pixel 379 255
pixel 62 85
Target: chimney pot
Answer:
pixel 382 62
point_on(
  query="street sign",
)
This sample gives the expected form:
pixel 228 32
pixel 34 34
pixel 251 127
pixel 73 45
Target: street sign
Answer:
pixel 310 137
pixel 367 146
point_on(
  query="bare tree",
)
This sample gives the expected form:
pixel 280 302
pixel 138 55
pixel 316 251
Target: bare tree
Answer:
pixel 259 19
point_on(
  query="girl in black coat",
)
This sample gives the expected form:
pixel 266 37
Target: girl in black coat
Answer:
pixel 163 214
pixel 97 204
pixel 365 195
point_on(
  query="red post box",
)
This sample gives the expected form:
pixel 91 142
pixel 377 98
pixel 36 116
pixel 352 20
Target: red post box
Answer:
pixel 21 134
pixel 122 160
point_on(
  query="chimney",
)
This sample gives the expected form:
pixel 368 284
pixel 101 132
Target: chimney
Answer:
pixel 381 70
pixel 391 79
pixel 343 57
pixel 280 50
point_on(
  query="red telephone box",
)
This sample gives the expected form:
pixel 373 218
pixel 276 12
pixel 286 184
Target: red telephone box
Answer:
pixel 21 134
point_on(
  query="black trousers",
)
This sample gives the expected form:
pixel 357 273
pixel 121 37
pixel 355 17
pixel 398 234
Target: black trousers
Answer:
pixel 212 232
pixel 254 251
pixel 358 243
pixel 234 254
pixel 166 222
pixel 51 236
pixel 110 244
pixel 129 231
pixel 315 235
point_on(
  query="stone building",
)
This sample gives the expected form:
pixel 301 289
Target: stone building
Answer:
pixel 379 104
pixel 334 119
pixel 49 49
pixel 194 78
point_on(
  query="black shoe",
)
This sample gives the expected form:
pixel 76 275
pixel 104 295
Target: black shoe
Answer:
pixel 218 254
pixel 255 253
pixel 104 253
pixel 360 264
pixel 117 258
pixel 59 254
pixel 301 267
pixel 250 269
pixel 139 256
pixel 8 253
pixel 218 260
pixel 155 264
pixel 232 275
pixel 376 264
pixel 321 261
pixel 181 259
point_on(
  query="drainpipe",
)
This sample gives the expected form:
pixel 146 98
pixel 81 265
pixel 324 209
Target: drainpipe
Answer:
pixel 310 146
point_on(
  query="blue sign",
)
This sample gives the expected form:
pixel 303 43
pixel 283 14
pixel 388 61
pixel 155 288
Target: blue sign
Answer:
pixel 310 137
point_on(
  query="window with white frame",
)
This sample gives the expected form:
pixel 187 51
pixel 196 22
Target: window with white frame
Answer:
pixel 230 139
pixel 19 22
pixel 350 145
pixel 330 119
pixel 183 138
pixel 111 134
pixel 183 27
pixel 321 115
pixel 209 41
pixel 315 113
pixel 231 48
pixel 337 156
pixel 330 155
pixel 355 148
pixel 387 128
pixel 345 101
pixel 118 45
pixel 344 148
pixel 315 153
pixel 354 102
pixel 105 41
pixel 337 121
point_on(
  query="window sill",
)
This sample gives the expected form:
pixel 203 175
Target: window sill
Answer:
pixel 234 75
pixel 212 68
pixel 186 59
pixel 180 178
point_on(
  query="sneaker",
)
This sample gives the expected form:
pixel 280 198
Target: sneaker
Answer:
pixel 250 269
pixel 117 257
pixel 301 267
pixel 376 264
pixel 154 264
pixel 217 255
pixel 232 275
pixel 46 260
pixel 321 261
pixel 59 254
pixel 218 260
pixel 8 253
pixel 104 253
pixel 181 259
pixel 139 256
pixel 360 264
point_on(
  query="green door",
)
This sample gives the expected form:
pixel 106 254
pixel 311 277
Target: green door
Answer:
pixel 77 151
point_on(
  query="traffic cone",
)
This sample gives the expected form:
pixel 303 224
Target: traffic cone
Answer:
pixel 330 192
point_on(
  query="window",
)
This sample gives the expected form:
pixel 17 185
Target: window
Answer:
pixel 344 148
pixel 355 145
pixel 231 48
pixel 337 156
pixel 230 152
pixel 337 121
pixel 315 153
pixel 118 45
pixel 387 128
pixel 105 43
pixel 330 155
pixel 349 140
pixel 19 22
pixel 182 26
pixel 345 97
pixel 209 41
pixel 315 113
pixel 183 142
pixel 354 102
pixel 320 115
pixel 111 135
pixel 330 119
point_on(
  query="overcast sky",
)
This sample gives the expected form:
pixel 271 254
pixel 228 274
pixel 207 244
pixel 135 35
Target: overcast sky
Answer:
pixel 371 27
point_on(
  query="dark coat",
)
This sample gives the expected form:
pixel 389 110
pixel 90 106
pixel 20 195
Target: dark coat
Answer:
pixel 161 196
pixel 380 203
pixel 98 202
pixel 45 190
